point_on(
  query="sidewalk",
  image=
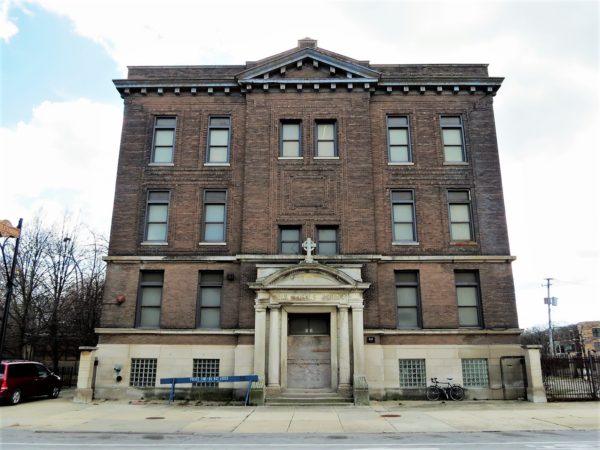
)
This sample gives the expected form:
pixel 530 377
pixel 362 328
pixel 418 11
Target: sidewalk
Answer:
pixel 380 417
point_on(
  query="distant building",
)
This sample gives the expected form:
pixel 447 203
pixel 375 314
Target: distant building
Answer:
pixel 314 219
pixel 578 339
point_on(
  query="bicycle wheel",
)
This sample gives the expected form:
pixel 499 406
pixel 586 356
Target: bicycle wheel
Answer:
pixel 433 393
pixel 457 393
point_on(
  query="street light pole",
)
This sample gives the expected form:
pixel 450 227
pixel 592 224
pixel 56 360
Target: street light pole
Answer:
pixel 9 288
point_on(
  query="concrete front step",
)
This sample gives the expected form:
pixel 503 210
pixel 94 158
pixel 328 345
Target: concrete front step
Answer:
pixel 298 397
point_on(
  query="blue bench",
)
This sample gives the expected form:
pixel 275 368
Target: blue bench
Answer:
pixel 229 379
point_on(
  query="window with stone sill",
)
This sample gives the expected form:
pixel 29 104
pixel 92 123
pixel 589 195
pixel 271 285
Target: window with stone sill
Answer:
pixel 163 141
pixel 149 299
pixel 460 215
pixel 214 219
pixel 157 216
pixel 219 137
pixel 210 294
pixel 453 139
pixel 290 139
pixel 326 139
pixel 398 136
pixel 408 300
pixel 468 298
pixel 290 240
pixel 403 216
pixel 327 240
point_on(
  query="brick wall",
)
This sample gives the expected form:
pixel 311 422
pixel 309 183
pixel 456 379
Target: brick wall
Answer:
pixel 352 192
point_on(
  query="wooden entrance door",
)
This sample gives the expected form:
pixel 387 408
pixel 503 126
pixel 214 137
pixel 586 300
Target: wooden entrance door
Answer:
pixel 309 351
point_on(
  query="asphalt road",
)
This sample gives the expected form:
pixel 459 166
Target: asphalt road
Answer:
pixel 561 440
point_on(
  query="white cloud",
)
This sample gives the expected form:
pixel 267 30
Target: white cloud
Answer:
pixel 64 158
pixel 7 27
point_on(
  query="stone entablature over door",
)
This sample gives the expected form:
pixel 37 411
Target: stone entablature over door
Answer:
pixel 308 287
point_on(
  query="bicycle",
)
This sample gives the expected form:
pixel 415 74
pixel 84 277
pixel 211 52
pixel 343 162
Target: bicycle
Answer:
pixel 451 391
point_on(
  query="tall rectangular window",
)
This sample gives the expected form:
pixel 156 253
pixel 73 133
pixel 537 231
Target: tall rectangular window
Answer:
pixel 219 135
pixel 215 213
pixel 596 332
pixel 452 136
pixel 327 240
pixel 290 144
pixel 467 298
pixel 459 211
pixel 412 373
pixel 290 240
pixel 403 216
pixel 210 293
pixel 206 368
pixel 326 139
pixel 407 298
pixel 164 140
pixel 398 140
pixel 143 372
pixel 157 216
pixel 475 372
pixel 150 299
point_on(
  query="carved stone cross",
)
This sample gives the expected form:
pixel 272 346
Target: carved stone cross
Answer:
pixel 309 246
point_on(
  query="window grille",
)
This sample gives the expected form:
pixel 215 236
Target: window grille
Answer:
pixel 412 373
pixel 475 372
pixel 206 368
pixel 143 372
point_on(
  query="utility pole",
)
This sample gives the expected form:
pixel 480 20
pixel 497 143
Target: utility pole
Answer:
pixel 550 301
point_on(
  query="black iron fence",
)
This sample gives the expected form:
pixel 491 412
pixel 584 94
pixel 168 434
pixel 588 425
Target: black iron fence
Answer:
pixel 68 375
pixel 573 377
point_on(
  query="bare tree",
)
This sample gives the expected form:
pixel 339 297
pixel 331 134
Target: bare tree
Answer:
pixel 28 287
pixel 57 290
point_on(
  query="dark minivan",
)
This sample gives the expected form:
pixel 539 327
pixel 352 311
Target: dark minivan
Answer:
pixel 20 379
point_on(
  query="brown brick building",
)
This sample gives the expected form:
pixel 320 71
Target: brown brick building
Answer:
pixel 390 171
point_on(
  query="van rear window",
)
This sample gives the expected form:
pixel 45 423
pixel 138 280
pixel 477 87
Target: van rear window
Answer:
pixel 21 370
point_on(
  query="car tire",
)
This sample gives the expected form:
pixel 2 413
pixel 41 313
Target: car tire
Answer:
pixel 16 396
pixel 54 393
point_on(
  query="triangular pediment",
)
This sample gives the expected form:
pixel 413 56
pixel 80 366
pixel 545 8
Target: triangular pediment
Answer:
pixel 308 64
pixel 308 276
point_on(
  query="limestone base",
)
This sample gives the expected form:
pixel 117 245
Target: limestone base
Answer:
pixel 83 395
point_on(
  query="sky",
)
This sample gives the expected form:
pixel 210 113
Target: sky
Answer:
pixel 60 116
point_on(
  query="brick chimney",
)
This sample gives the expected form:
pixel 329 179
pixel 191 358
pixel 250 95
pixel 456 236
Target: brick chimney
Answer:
pixel 307 43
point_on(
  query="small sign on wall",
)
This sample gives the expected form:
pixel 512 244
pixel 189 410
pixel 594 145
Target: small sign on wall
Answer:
pixel 370 339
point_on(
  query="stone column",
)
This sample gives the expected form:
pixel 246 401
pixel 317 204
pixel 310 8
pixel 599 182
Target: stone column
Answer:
pixel 358 340
pixel 344 344
pixel 535 383
pixel 274 342
pixel 85 377
pixel 260 325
